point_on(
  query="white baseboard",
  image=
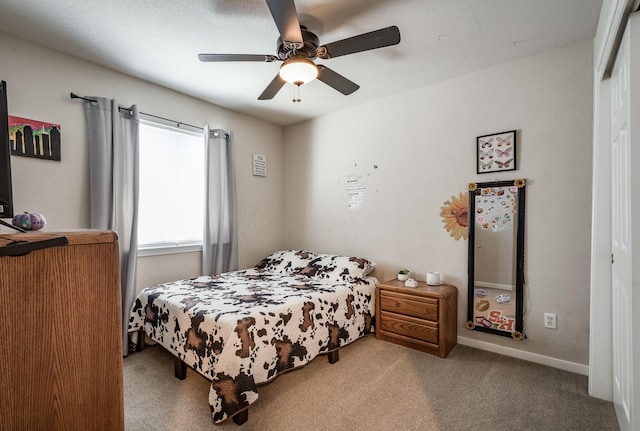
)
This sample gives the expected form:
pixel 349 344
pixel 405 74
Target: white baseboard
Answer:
pixel 526 356
pixel 494 285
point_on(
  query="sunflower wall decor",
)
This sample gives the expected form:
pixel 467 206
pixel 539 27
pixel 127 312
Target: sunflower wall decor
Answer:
pixel 455 216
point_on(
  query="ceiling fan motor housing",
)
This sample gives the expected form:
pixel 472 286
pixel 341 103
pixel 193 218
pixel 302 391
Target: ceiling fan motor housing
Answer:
pixel 308 50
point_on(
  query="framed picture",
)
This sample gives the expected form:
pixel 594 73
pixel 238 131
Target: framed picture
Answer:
pixel 496 152
pixel 33 138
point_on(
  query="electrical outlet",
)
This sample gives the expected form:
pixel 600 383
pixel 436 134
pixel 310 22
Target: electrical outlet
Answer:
pixel 550 321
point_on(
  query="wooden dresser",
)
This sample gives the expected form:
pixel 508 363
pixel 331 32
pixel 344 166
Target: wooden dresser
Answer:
pixel 60 336
pixel 423 317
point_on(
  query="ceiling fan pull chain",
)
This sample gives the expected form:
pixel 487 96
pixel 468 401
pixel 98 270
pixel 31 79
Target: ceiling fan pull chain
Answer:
pixel 296 94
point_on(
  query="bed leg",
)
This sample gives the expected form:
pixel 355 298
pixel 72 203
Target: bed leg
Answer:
pixel 241 417
pixel 333 357
pixel 141 335
pixel 180 369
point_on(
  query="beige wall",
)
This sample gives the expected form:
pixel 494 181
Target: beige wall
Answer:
pixel 415 150
pixel 39 82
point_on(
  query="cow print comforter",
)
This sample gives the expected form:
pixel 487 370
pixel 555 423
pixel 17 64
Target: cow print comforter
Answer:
pixel 243 328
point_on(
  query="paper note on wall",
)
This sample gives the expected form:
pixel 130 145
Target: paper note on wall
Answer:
pixel 259 165
pixel 355 192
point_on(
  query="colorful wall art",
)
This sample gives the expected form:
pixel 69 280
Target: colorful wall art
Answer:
pixel 495 208
pixel 455 213
pixel 33 138
pixel 496 152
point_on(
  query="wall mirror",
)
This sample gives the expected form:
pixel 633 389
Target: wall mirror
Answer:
pixel 496 257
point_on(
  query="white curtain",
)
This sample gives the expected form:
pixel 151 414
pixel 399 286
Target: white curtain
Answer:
pixel 113 140
pixel 220 242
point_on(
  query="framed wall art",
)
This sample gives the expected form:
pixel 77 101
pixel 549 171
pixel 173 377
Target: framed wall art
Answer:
pixel 34 138
pixel 496 152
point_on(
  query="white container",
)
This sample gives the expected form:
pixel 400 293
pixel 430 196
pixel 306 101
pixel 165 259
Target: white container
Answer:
pixel 411 283
pixel 403 277
pixel 433 278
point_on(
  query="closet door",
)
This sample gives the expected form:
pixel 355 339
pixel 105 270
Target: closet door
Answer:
pixel 625 214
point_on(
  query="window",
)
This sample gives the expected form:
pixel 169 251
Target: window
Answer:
pixel 171 197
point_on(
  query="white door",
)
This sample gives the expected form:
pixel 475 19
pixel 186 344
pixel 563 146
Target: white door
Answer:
pixel 625 145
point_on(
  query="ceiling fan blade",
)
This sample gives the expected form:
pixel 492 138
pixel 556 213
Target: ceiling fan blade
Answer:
pixel 237 57
pixel 286 18
pixel 336 81
pixel 272 89
pixel 364 42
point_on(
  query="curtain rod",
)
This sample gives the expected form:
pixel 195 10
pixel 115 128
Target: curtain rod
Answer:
pixel 178 123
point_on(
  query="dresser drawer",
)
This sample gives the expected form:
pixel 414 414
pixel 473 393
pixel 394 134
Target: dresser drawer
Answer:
pixel 409 305
pixel 409 327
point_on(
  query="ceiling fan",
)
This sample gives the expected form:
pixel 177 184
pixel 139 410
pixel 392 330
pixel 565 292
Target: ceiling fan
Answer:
pixel 298 47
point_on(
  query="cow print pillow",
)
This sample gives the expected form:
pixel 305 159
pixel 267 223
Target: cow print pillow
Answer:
pixel 338 268
pixel 286 262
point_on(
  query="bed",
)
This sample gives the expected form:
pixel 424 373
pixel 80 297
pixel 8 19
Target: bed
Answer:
pixel 244 328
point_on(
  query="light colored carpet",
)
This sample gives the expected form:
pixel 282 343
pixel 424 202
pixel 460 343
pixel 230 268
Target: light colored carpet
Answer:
pixel 376 385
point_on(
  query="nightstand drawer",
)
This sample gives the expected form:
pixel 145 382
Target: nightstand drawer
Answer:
pixel 409 305
pixel 409 327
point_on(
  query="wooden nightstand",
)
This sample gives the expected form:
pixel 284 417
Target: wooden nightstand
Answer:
pixel 423 317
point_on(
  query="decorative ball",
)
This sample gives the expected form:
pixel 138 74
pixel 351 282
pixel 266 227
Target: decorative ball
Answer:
pixel 37 221
pixel 29 221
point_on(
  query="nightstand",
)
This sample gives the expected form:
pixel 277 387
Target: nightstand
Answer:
pixel 423 317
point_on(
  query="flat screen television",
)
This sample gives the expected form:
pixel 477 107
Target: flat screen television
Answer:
pixel 6 193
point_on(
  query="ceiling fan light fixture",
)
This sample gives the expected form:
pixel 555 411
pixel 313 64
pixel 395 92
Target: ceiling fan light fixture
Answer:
pixel 298 71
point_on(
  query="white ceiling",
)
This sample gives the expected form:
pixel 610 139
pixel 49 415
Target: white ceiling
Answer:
pixel 159 40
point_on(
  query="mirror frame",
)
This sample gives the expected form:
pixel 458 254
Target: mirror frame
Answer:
pixel 474 190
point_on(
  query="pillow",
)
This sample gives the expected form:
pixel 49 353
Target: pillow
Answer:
pixel 337 268
pixel 286 262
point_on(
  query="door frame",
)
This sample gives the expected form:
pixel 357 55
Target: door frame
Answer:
pixel 612 22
